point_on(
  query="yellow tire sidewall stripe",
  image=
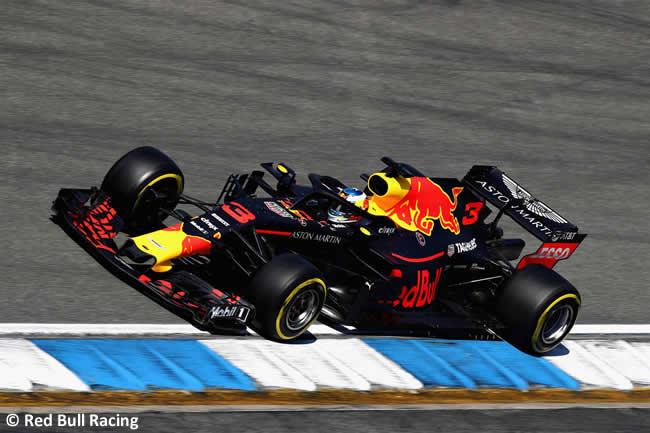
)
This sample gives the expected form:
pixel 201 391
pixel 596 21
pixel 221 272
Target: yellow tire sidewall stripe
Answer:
pixel 542 318
pixel 179 182
pixel 288 299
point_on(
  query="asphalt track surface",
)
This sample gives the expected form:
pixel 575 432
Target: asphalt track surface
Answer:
pixel 556 93
pixel 588 420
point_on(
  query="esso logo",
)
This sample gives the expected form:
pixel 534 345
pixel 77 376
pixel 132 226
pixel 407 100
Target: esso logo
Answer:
pixel 549 254
pixel 552 253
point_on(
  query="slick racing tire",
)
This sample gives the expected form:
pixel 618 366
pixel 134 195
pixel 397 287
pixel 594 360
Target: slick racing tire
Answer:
pixel 140 184
pixel 288 294
pixel 538 307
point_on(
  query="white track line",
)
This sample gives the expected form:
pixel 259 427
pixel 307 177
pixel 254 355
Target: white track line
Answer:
pixel 610 329
pixel 588 368
pixel 326 363
pixel 23 366
pixel 150 329
pixel 85 329
pixel 97 329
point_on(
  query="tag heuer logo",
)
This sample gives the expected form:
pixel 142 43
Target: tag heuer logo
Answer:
pixel 451 250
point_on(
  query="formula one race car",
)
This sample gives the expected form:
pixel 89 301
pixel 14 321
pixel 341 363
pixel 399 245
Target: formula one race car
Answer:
pixel 407 251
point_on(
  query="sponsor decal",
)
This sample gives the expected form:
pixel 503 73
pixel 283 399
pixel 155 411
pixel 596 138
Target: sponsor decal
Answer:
pixel 450 250
pixel 531 219
pixel 421 240
pixel 531 203
pixel 386 230
pixel 563 236
pixel 463 247
pixel 209 223
pixel 243 313
pixel 423 292
pixel 318 237
pixel 225 311
pixel 238 312
pixel 522 211
pixel 156 244
pixel 276 208
pixel 303 223
pixel 549 254
pixel 494 192
pixel 199 228
pixel 425 203
pixel 299 213
pixel 558 253
pixel 221 220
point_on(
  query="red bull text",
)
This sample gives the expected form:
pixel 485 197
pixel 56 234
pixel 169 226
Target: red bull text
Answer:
pixel 423 293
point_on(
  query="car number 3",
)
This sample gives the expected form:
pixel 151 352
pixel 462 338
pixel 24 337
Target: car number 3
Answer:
pixel 239 213
pixel 472 210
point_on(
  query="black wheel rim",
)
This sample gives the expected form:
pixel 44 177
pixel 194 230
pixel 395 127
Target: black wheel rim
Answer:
pixel 162 195
pixel 302 309
pixel 557 324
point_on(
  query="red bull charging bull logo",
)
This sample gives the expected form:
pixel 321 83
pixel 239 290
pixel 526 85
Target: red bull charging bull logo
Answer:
pixel 425 203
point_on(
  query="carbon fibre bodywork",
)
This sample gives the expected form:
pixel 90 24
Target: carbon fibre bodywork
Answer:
pixel 87 217
pixel 419 253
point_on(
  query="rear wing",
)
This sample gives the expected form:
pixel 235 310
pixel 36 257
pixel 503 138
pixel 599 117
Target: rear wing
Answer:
pixel 560 237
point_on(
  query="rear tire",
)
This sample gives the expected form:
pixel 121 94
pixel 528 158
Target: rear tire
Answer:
pixel 539 308
pixel 140 184
pixel 288 294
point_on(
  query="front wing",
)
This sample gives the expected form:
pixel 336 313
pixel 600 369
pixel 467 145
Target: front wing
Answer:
pixel 88 218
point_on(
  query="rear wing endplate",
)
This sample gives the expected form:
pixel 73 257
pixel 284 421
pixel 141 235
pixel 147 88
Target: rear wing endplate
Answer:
pixel 560 236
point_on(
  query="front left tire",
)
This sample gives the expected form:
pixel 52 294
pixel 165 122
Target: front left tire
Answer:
pixel 140 184
pixel 288 293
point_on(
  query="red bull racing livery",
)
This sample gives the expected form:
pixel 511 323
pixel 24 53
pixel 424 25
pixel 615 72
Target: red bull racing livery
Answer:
pixel 404 253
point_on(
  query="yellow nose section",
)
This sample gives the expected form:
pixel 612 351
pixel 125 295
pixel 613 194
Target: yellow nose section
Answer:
pixel 170 243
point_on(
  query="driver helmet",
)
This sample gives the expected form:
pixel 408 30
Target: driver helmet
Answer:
pixel 338 214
